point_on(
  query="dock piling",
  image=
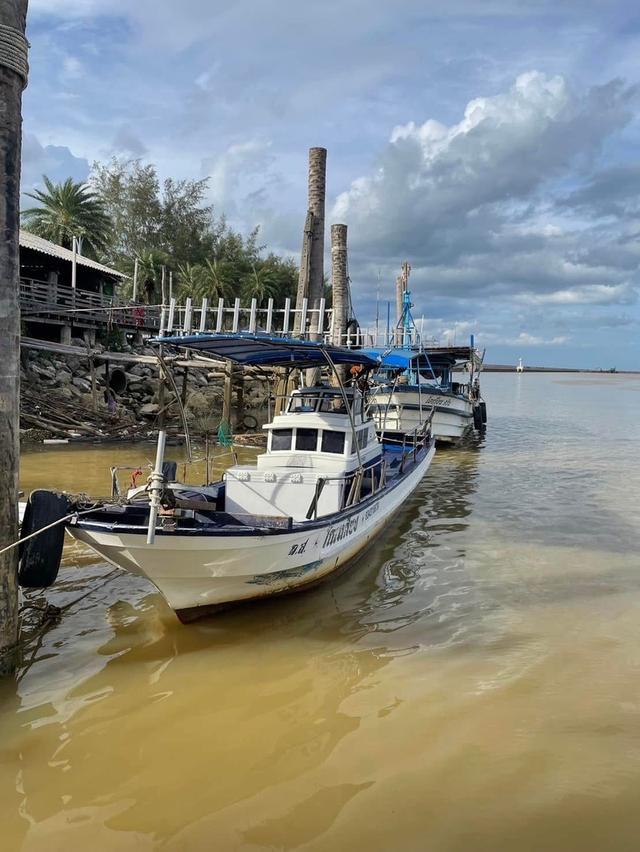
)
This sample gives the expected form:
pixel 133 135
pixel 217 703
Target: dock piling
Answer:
pixel 13 78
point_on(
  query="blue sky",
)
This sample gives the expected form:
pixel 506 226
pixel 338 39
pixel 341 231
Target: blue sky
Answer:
pixel 492 143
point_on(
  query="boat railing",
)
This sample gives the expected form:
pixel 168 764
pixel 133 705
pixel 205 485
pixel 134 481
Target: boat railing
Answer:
pixel 416 440
pixel 377 472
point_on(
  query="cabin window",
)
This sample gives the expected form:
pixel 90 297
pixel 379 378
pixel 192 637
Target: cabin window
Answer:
pixel 303 403
pixel 361 439
pixel 332 442
pixel 333 405
pixel 306 439
pixel 281 439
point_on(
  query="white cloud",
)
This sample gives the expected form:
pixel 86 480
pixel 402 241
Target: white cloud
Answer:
pixel 71 68
pixel 588 294
pixel 55 161
pixel 504 149
pixel 231 172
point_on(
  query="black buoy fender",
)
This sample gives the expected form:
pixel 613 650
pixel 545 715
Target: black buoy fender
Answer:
pixel 40 556
pixel 477 417
pixel 483 411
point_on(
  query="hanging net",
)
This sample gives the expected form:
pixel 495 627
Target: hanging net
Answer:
pixel 225 438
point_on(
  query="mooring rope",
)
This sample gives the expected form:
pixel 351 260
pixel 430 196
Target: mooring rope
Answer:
pixel 14 51
pixel 48 527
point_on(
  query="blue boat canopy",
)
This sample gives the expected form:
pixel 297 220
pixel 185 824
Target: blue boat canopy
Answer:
pixel 266 350
pixel 430 356
pixel 398 359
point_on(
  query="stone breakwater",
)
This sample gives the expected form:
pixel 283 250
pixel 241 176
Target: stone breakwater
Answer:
pixel 62 398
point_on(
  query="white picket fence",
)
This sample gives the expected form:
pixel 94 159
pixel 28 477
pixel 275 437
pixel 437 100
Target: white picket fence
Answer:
pixel 205 318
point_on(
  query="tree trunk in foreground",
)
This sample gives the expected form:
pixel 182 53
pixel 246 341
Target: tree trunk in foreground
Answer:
pixel 12 14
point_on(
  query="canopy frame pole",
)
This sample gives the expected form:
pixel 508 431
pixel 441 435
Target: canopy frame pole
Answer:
pixel 156 480
pixel 346 402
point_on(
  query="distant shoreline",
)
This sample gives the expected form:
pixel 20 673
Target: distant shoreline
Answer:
pixel 508 368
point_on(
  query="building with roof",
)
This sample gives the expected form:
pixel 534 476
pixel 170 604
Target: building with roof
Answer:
pixel 64 294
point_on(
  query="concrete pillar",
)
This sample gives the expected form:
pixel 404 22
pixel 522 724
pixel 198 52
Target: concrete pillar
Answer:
pixel 311 279
pixel 317 195
pixel 89 336
pixel 65 335
pixel 339 282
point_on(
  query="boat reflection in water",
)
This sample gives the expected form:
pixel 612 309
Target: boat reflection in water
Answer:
pixel 240 708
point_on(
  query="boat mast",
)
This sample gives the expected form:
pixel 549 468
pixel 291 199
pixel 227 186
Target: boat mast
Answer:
pixel 156 480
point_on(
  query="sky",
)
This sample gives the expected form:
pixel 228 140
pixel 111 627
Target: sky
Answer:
pixel 493 144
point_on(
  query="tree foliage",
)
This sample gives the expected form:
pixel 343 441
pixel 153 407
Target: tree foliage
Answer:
pixel 170 224
pixel 67 210
pixel 126 213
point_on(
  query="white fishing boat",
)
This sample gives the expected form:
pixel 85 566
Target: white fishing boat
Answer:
pixel 414 381
pixel 324 488
pixel 414 378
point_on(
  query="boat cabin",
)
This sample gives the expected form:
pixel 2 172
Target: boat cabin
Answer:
pixel 314 449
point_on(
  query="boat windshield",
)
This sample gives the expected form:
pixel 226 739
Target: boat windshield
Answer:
pixel 327 401
pixel 304 403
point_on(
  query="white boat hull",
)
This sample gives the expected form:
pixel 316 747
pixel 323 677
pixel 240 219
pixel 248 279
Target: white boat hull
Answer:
pixel 452 420
pixel 210 570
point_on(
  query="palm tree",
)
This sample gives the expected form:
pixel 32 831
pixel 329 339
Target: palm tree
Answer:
pixel 150 265
pixel 261 284
pixel 216 274
pixel 191 280
pixel 67 210
pixel 13 14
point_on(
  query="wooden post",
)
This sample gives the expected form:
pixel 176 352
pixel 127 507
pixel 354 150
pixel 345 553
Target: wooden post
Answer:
pixel 303 278
pixel 226 399
pixel 94 384
pixel 183 392
pixel 13 78
pixel 238 380
pixel 135 280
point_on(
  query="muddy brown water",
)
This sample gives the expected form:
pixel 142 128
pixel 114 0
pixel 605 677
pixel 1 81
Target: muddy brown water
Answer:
pixel 472 683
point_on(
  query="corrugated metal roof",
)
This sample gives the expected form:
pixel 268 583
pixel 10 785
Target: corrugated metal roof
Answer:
pixel 30 241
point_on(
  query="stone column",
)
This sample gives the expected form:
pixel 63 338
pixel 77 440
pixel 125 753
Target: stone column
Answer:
pixel 339 283
pixel 317 195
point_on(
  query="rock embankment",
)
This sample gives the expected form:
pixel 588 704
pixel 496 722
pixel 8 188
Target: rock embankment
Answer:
pixel 63 397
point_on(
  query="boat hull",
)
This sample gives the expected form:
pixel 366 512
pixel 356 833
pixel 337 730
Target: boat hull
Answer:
pixel 201 572
pixel 452 419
